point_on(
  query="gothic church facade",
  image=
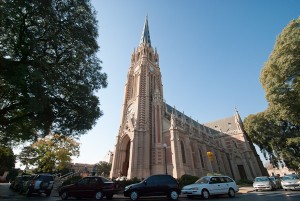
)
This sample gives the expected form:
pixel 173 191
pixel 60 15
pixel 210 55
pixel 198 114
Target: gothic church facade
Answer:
pixel 155 138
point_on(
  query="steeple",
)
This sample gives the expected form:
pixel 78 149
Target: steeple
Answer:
pixel 145 39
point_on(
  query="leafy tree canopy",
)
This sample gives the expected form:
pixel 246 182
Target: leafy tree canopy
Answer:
pixel 49 71
pixel 7 159
pixel 277 130
pixel 52 153
pixel 103 168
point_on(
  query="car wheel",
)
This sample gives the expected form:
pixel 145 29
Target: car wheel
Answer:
pixel 99 195
pixel 205 194
pixel 64 195
pixel 173 195
pixel 231 193
pixel 134 195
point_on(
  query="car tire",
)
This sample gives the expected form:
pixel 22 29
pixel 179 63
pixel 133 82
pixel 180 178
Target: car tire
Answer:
pixel 173 195
pixel 99 195
pixel 205 194
pixel 64 195
pixel 134 195
pixel 231 193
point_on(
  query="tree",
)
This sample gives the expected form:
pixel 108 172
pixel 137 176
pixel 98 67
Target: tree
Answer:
pixel 52 153
pixel 103 168
pixel 277 130
pixel 7 159
pixel 49 71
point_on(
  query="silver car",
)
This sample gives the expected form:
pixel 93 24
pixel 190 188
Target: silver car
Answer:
pixel 211 185
pixel 290 182
pixel 263 183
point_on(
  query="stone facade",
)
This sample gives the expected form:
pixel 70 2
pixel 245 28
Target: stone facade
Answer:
pixel 156 138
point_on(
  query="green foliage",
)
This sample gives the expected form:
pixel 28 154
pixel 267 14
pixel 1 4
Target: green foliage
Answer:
pixel 277 130
pixel 122 184
pixel 103 168
pixel 244 182
pixel 71 180
pixel 50 154
pixel 187 179
pixel 7 159
pixel 49 71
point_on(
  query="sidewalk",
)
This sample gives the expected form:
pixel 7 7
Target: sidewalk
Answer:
pixel 245 189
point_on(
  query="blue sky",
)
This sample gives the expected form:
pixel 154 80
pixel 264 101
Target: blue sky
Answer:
pixel 211 55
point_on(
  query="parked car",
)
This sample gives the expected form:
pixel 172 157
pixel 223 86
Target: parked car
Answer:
pixel 89 187
pixel 39 183
pixel 276 181
pixel 263 183
pixel 17 184
pixel 211 185
pixel 290 182
pixel 155 185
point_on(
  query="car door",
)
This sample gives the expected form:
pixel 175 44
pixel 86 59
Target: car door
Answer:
pixel 80 189
pixel 215 186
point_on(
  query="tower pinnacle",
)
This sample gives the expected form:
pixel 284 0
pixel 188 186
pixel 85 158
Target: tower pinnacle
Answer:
pixel 145 39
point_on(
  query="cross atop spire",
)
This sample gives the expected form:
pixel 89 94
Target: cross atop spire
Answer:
pixel 145 39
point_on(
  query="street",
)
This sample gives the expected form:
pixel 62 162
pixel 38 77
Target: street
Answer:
pixel 280 195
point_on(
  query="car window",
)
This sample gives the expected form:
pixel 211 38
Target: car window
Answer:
pixel 292 177
pixel 214 180
pixel 202 180
pixel 227 179
pixel 93 180
pixel 258 179
pixel 84 181
pixel 153 180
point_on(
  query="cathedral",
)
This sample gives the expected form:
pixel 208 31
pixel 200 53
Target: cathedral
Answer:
pixel 156 138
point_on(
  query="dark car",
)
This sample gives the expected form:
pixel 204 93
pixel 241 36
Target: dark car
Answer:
pixel 89 187
pixel 155 185
pixel 18 182
pixel 39 183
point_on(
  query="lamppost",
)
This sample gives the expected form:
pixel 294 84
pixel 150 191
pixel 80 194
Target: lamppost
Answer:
pixel 165 150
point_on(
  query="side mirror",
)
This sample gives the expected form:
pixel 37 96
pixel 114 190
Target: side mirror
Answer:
pixel 145 182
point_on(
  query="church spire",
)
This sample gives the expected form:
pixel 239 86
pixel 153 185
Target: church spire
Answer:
pixel 145 39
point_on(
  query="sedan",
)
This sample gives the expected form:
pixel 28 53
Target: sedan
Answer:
pixel 290 182
pixel 263 183
pixel 211 185
pixel 89 187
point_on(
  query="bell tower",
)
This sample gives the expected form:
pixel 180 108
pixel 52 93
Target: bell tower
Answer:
pixel 138 150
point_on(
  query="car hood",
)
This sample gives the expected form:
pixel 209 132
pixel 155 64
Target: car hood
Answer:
pixel 261 183
pixel 190 186
pixel 291 181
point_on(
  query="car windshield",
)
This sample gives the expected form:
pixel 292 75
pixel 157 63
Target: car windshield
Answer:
pixel 290 177
pixel 258 179
pixel 272 178
pixel 202 180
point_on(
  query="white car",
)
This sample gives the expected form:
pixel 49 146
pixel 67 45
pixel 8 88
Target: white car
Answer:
pixel 211 185
pixel 263 183
pixel 290 182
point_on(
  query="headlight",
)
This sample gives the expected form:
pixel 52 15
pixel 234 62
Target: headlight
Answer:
pixel 127 187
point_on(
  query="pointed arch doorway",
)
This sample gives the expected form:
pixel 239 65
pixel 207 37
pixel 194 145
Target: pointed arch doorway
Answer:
pixel 125 156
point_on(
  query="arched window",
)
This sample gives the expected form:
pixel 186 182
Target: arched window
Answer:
pixel 201 158
pixel 182 152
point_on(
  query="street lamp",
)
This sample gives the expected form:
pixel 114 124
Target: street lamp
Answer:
pixel 165 150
